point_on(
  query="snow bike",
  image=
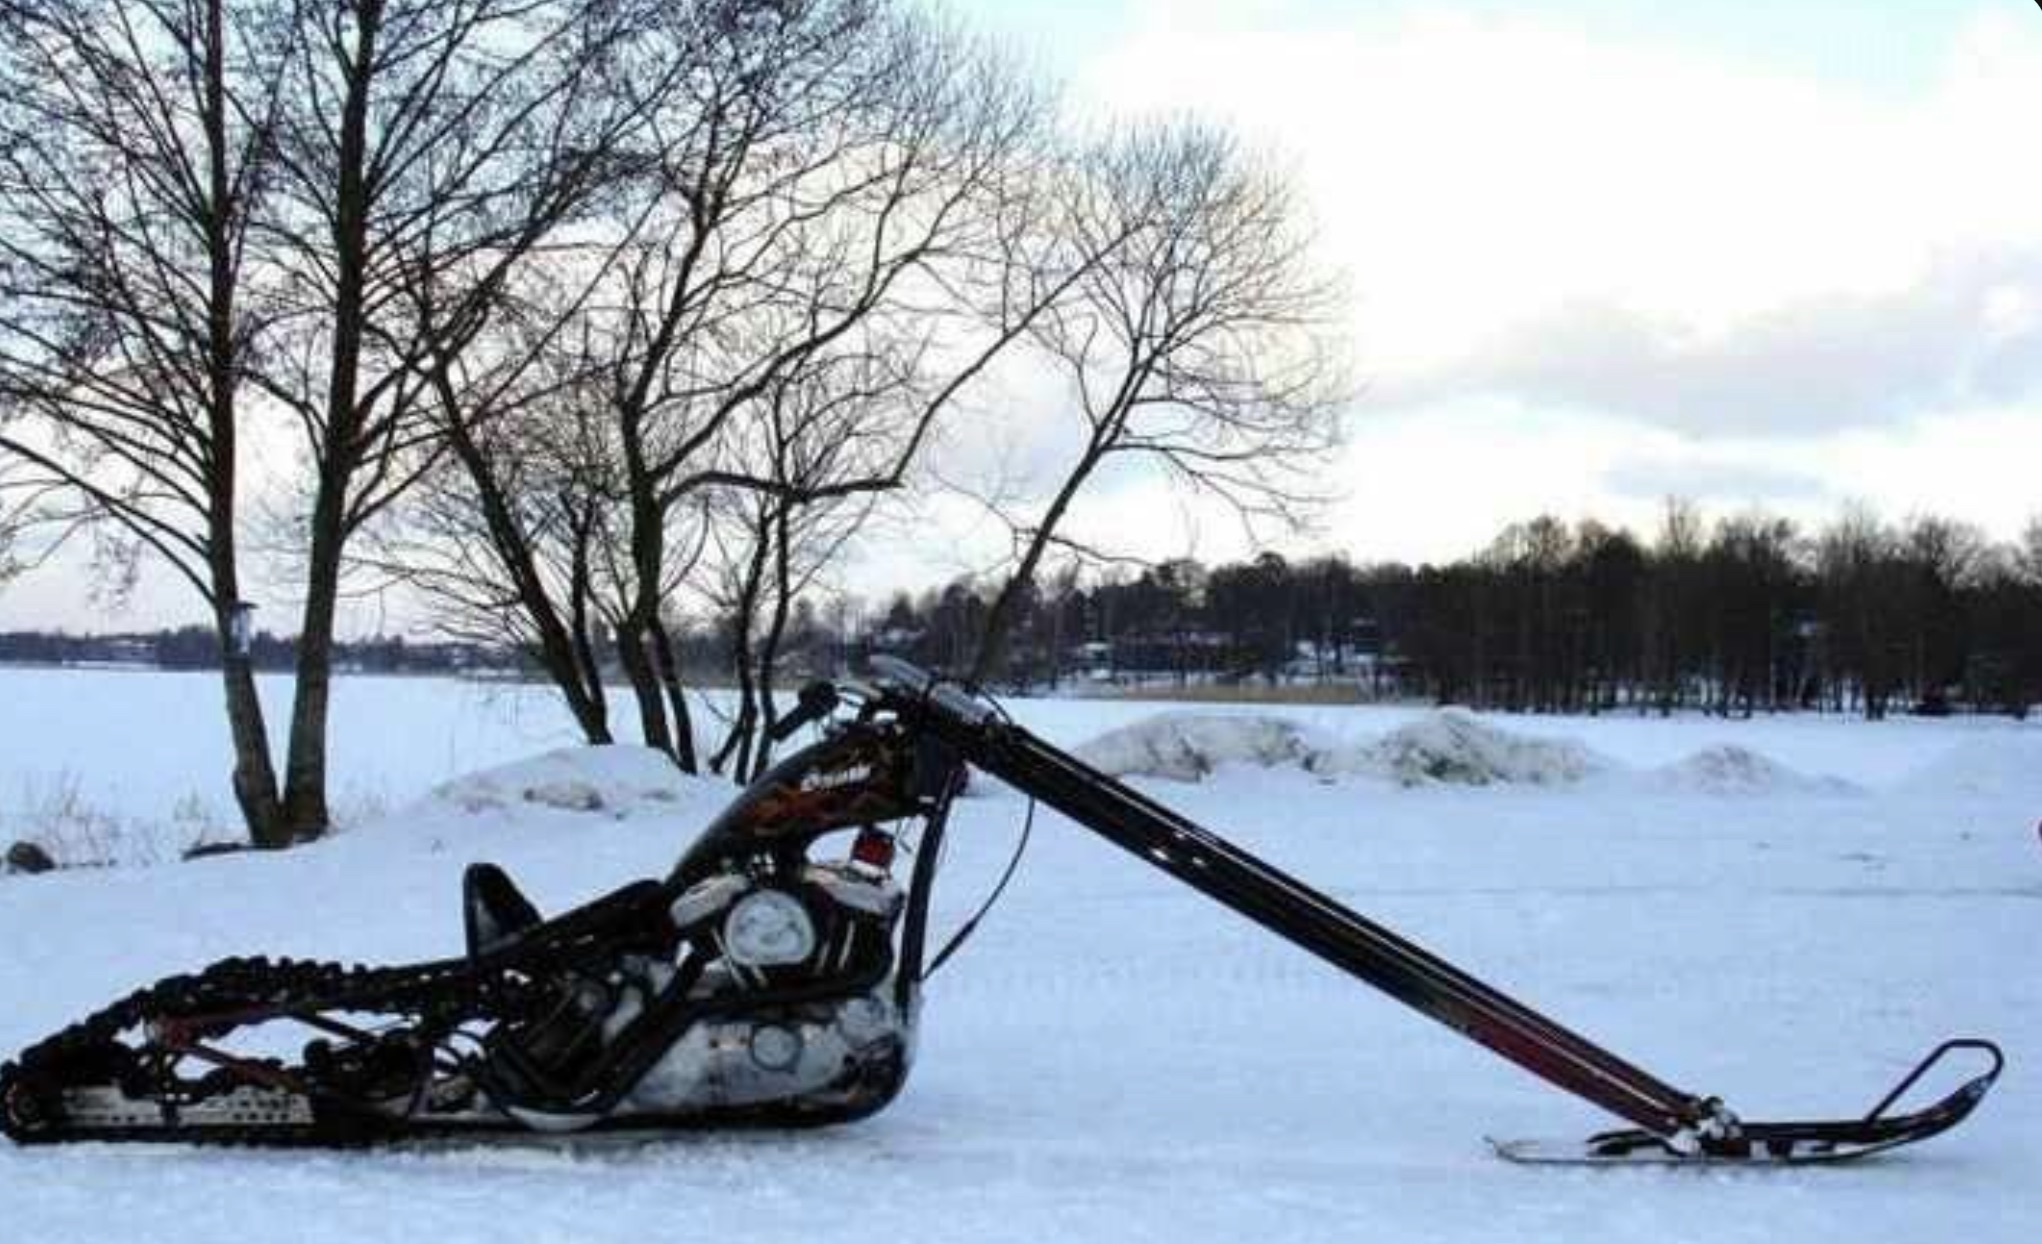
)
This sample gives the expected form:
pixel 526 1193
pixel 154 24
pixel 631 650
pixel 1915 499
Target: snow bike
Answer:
pixel 774 977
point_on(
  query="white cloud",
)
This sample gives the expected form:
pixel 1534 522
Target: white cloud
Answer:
pixel 1587 273
pixel 1591 273
pixel 1967 333
pixel 1731 482
pixel 1479 178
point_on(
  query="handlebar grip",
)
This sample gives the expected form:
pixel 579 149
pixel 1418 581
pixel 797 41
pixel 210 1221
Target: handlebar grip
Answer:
pixel 816 701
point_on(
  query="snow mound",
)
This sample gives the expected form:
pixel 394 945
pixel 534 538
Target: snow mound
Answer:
pixel 1728 769
pixel 1453 747
pixel 2009 764
pixel 1450 747
pixel 614 781
pixel 1186 747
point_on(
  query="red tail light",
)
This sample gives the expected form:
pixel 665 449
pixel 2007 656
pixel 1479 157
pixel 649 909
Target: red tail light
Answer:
pixel 873 849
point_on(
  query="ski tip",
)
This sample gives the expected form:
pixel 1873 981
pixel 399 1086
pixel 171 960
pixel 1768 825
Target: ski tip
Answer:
pixel 1518 1152
pixel 1549 1152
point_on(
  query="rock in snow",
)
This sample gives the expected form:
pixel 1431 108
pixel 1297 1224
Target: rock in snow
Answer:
pixel 27 857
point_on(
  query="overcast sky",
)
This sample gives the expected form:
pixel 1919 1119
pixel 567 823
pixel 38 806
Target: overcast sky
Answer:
pixel 1782 253
pixel 1754 252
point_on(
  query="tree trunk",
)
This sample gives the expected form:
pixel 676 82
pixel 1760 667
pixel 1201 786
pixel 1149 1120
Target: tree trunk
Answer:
pixel 633 645
pixel 635 637
pixel 562 655
pixel 738 742
pixel 591 715
pixel 587 660
pixel 1006 610
pixel 306 815
pixel 668 667
pixel 305 811
pixel 769 646
pixel 255 779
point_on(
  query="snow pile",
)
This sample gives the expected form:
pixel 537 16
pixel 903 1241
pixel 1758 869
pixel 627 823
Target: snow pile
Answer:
pixel 2004 764
pixel 1453 747
pixel 1186 747
pixel 615 781
pixel 1728 769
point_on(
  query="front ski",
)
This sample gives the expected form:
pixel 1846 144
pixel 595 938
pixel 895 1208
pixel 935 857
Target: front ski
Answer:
pixel 1644 1149
pixel 1812 1143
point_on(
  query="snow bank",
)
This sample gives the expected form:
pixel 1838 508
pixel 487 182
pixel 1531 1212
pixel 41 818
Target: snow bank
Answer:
pixel 1186 747
pixel 1450 747
pixel 2010 764
pixel 565 785
pixel 1728 769
pixel 1453 747
pixel 616 781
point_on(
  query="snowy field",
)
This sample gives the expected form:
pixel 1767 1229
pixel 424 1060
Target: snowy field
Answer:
pixel 1786 913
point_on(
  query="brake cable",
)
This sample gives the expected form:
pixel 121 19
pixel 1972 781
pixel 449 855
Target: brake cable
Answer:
pixel 970 926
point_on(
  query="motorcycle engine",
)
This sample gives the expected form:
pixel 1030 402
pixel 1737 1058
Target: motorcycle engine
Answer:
pixel 774 947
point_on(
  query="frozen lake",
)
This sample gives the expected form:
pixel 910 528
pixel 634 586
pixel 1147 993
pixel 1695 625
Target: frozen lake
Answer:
pixel 145 746
pixel 1113 1058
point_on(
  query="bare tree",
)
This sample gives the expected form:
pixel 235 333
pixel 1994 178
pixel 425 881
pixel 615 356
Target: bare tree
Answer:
pixel 1938 557
pixel 1672 604
pixel 831 177
pixel 1856 567
pixel 426 149
pixel 505 536
pixel 2028 553
pixel 134 142
pixel 18 504
pixel 322 203
pixel 822 434
pixel 1196 340
pixel 838 189
pixel 1750 566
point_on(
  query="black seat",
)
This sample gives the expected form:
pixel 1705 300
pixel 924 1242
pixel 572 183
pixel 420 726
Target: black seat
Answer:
pixel 493 910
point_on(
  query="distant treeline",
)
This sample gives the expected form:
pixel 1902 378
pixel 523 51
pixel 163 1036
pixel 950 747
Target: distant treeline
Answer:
pixel 197 647
pixel 1749 614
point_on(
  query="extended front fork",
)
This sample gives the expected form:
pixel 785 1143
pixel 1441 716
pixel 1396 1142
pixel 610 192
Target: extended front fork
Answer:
pixel 1678 1122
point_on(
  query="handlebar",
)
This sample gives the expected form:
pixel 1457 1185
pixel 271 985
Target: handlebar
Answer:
pixel 816 701
pixel 907 678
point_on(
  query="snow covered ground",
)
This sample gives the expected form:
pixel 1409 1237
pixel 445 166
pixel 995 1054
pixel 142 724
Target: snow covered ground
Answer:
pixel 1787 913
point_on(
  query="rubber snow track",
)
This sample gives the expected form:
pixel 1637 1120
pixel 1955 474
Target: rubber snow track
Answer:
pixel 1113 1059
